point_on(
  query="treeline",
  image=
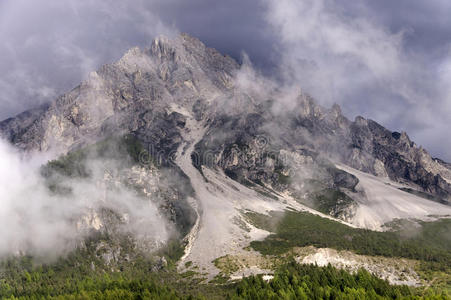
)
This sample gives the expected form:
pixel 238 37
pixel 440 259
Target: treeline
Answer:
pixel 75 279
pixel 83 275
pixel 292 281
pixel 107 288
pixel 297 281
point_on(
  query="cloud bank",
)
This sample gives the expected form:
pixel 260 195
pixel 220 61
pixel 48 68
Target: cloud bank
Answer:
pixel 37 221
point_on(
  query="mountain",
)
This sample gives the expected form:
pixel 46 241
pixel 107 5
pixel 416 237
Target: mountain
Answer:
pixel 137 94
pixel 216 148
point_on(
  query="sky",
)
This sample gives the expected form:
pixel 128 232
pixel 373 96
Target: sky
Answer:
pixel 385 60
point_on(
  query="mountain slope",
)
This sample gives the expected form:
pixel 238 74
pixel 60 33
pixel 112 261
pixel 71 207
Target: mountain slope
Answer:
pixel 226 143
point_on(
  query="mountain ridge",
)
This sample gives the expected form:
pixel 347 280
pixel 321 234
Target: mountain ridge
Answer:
pixel 135 95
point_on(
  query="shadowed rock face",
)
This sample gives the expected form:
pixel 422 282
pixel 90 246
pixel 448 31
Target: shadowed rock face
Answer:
pixel 149 92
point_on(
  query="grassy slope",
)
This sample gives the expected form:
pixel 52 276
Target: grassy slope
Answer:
pixel 431 243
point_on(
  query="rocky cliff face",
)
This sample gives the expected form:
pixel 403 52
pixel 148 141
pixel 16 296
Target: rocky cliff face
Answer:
pixel 134 94
pixel 149 92
pixel 260 145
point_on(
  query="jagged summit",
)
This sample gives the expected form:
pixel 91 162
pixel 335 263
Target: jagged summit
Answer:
pixel 180 70
pixel 182 51
pixel 150 92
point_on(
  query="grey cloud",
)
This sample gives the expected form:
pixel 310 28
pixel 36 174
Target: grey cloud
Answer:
pixel 49 46
pixel 351 58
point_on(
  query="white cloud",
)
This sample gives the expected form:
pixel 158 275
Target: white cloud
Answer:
pixel 36 221
pixel 354 60
pixel 340 48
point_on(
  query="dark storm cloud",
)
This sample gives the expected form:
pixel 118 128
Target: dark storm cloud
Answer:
pixel 387 60
pixel 230 26
pixel 48 46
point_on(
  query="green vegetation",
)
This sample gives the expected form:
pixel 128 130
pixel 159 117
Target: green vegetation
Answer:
pixel 71 165
pixel 125 150
pixel 84 275
pixel 227 265
pixel 431 244
pixel 427 242
pixel 134 274
pixel 108 287
pixel 291 281
pixel 265 222
pixel 295 281
pixel 324 198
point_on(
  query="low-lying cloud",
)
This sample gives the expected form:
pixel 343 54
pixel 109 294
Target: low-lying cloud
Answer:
pixel 38 221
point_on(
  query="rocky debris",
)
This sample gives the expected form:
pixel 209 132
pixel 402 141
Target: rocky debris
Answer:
pixel 396 271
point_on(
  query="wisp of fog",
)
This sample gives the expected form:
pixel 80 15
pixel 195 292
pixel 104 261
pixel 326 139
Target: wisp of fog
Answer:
pixel 37 221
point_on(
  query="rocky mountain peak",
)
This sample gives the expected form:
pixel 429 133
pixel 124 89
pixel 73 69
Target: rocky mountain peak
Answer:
pixel 360 121
pixel 165 48
pixel 336 110
pixel 145 91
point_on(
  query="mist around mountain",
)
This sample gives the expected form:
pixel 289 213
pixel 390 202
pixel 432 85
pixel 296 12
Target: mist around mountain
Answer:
pixel 176 171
